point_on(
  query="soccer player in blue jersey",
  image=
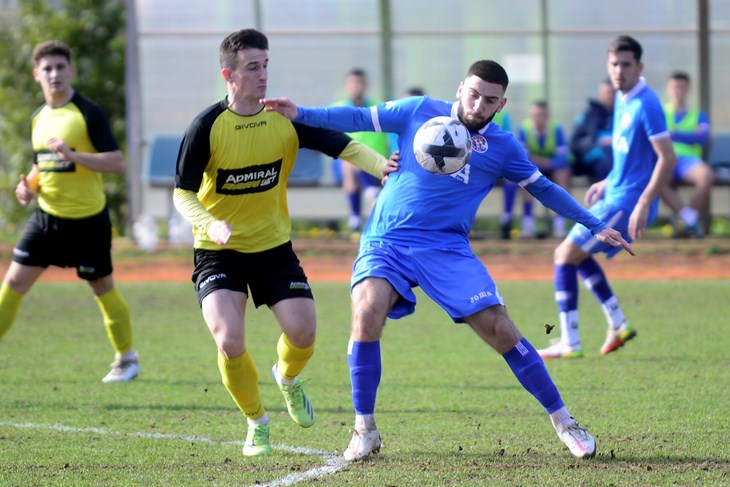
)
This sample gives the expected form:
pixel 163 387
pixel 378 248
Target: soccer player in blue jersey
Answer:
pixel 643 161
pixel 418 235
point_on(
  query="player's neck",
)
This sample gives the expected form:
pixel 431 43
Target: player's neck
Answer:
pixel 244 107
pixel 55 100
pixel 680 107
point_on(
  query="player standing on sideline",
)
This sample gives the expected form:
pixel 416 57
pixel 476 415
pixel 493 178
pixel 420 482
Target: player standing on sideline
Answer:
pixel 232 170
pixel 420 226
pixel 643 160
pixel 355 182
pixel 690 131
pixel 73 145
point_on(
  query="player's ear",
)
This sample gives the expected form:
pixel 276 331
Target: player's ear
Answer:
pixel 458 90
pixel 226 73
pixel 501 105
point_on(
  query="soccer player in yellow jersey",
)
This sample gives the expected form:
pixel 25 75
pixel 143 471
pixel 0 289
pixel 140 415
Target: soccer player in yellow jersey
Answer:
pixel 232 170
pixel 73 145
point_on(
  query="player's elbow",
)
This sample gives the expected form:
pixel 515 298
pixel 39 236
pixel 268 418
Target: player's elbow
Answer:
pixel 116 162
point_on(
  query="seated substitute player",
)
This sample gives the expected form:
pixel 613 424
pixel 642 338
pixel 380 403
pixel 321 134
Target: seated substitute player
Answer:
pixel 547 147
pixel 232 170
pixel 690 131
pixel 73 145
pixel 420 226
pixel 643 161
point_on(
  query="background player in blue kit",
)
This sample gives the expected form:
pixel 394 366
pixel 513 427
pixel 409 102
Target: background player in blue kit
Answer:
pixel 643 161
pixel 420 226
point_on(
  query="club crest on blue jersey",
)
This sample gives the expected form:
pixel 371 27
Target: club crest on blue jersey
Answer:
pixel 479 143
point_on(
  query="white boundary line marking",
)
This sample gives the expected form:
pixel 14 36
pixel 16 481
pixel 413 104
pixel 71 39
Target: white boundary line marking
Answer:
pixel 333 464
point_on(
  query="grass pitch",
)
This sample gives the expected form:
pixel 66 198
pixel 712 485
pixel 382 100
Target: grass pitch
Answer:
pixel 450 411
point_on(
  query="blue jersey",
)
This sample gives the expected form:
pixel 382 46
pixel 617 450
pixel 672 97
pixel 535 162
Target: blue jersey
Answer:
pixel 638 118
pixel 419 209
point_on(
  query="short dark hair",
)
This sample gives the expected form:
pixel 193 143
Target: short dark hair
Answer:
pixel 489 71
pixel 51 48
pixel 238 41
pixel 415 91
pixel 626 43
pixel 540 104
pixel 680 76
pixel 359 72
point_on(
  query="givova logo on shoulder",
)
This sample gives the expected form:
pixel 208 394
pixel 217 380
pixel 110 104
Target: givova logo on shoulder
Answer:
pixel 246 180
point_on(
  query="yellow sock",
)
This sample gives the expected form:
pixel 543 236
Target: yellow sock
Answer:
pixel 116 319
pixel 241 378
pixel 9 306
pixel 291 359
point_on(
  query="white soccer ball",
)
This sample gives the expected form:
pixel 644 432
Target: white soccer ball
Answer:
pixel 442 145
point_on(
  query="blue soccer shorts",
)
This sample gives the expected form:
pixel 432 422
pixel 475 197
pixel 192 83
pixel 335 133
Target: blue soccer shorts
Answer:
pixel 454 278
pixel 617 217
pixel 684 164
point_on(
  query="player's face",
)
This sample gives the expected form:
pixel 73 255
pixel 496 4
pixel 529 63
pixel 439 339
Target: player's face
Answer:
pixel 54 73
pixel 355 86
pixel 249 78
pixel 624 70
pixel 677 90
pixel 478 100
pixel 539 116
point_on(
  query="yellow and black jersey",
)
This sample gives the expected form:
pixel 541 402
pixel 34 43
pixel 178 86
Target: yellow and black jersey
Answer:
pixel 239 167
pixel 70 190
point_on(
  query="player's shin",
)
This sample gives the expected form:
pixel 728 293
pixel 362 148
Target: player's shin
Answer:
pixel 365 366
pixel 116 319
pixel 9 306
pixel 291 359
pixel 530 370
pixel 595 280
pixel 240 377
pixel 566 297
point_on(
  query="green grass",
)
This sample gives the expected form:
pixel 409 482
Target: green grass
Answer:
pixel 450 411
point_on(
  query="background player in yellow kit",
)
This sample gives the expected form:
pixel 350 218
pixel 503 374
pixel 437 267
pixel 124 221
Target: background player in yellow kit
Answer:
pixel 73 144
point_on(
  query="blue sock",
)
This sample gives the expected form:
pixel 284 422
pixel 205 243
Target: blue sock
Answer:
pixel 354 200
pixel 510 192
pixel 566 287
pixel 527 208
pixel 530 370
pixel 595 279
pixel 363 359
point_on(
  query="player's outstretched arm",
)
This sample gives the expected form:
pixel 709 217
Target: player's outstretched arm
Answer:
pixel 282 106
pixel 613 237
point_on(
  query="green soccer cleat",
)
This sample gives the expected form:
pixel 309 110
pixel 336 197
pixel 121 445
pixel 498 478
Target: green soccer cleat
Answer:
pixel 297 402
pixel 615 338
pixel 257 440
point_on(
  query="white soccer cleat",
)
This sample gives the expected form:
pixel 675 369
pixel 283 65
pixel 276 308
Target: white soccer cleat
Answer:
pixel 579 441
pixel 560 349
pixel 122 371
pixel 362 444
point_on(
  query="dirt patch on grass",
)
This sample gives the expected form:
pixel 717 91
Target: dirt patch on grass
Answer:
pixel 331 260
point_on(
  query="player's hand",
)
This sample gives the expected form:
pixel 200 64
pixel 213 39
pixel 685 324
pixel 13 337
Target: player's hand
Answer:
pixel 220 232
pixel 59 147
pixel 638 221
pixel 23 192
pixel 390 166
pixel 282 106
pixel 595 193
pixel 613 237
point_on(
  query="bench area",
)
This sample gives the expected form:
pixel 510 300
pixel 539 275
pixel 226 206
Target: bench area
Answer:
pixel 313 197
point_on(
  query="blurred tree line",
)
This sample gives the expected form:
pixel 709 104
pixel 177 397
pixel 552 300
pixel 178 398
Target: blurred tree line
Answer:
pixel 95 32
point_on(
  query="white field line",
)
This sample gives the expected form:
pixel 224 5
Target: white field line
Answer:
pixel 334 462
